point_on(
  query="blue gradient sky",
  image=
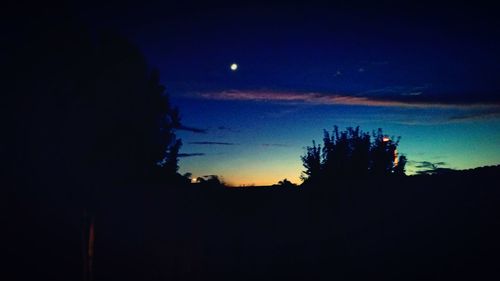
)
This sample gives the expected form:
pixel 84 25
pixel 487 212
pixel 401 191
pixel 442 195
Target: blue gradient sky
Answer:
pixel 428 72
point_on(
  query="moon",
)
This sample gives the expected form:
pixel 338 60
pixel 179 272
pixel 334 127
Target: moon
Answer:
pixel 234 66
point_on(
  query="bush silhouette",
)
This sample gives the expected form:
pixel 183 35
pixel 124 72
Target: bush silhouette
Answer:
pixel 285 183
pixel 352 153
pixel 212 181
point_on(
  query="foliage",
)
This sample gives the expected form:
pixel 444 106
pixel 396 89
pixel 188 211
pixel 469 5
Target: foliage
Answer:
pixel 353 153
pixel 89 109
pixel 285 183
pixel 400 168
pixel 312 161
pixel 210 181
pixel 139 121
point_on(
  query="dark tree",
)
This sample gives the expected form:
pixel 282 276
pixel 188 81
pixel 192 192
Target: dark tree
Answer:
pixel 311 161
pixel 352 153
pixel 346 152
pixel 135 123
pixel 400 168
pixel 85 107
pixel 285 183
pixel 212 181
pixel 383 154
pixel 83 113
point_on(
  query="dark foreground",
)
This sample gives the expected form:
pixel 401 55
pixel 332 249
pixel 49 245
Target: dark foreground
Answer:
pixel 415 228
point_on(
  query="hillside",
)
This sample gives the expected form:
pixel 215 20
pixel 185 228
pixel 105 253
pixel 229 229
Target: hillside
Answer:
pixel 414 228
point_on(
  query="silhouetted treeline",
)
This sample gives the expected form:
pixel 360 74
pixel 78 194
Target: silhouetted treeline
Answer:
pixel 352 153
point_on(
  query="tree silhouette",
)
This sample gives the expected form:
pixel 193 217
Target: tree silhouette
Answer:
pixel 83 113
pixel 135 135
pixel 285 183
pixel 346 152
pixel 88 108
pixel 212 181
pixel 383 154
pixel 312 161
pixel 400 168
pixel 352 153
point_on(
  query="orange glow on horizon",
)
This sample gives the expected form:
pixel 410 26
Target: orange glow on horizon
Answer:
pixel 248 181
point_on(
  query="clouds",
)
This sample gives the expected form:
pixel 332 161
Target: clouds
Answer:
pixel 224 144
pixel 212 143
pixel 456 117
pixel 232 143
pixel 427 165
pixel 428 168
pixel 412 94
pixel 182 155
pixel 274 145
pixel 475 116
pixel 192 129
pixel 313 98
pixel 398 105
pixel 397 90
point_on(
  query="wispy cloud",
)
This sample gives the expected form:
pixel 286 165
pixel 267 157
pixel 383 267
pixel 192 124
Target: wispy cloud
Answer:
pixel 412 94
pixel 190 154
pixel 274 145
pixel 469 116
pixel 227 129
pixel 397 90
pixel 475 116
pixel 427 167
pixel 212 143
pixel 192 129
pixel 338 99
pixel 427 164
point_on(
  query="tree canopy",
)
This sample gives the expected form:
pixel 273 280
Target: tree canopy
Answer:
pixel 353 153
pixel 84 106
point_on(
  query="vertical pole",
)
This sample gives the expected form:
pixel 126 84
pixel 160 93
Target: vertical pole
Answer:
pixel 84 246
pixel 88 240
pixel 91 249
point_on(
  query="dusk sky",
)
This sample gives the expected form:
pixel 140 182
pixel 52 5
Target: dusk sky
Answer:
pixel 429 73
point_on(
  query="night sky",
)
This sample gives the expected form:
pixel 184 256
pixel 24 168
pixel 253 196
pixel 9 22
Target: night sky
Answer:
pixel 427 72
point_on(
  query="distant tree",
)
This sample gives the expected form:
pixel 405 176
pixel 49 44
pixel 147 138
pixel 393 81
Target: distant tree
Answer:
pixel 210 181
pixel 352 153
pixel 187 176
pixel 400 167
pixel 285 183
